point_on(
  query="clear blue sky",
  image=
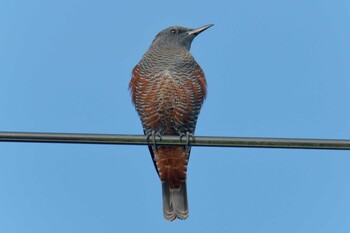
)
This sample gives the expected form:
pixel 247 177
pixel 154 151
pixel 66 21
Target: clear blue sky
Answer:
pixel 274 69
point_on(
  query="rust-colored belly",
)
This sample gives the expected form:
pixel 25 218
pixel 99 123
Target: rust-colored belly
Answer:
pixel 171 164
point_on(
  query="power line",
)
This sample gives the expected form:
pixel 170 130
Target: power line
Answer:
pixel 292 143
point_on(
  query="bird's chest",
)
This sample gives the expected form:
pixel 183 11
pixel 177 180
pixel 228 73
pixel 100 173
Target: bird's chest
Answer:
pixel 168 90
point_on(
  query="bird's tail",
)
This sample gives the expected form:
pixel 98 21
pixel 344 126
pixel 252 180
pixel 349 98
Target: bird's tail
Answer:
pixel 175 202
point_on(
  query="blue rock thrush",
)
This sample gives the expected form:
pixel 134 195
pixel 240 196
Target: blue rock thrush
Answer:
pixel 168 88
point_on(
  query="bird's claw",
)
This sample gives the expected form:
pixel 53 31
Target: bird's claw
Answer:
pixel 153 134
pixel 188 135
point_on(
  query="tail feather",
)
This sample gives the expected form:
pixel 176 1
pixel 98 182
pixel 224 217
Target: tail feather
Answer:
pixel 175 203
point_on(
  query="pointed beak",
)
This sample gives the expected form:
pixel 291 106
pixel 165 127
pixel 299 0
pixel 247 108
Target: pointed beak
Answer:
pixel 199 30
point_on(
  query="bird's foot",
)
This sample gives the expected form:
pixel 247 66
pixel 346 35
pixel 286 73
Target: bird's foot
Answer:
pixel 188 135
pixel 153 134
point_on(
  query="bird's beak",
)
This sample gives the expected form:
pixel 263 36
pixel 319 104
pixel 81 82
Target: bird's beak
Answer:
pixel 199 30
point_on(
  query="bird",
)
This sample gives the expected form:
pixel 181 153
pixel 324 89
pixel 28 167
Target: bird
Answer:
pixel 168 88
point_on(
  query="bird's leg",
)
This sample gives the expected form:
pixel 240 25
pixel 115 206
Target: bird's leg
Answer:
pixel 188 135
pixel 153 134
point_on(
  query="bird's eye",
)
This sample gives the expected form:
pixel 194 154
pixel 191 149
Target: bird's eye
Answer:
pixel 173 31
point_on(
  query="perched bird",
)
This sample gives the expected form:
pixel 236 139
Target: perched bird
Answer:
pixel 168 88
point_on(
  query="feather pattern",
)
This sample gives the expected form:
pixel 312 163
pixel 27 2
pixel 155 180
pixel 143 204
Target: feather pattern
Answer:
pixel 168 88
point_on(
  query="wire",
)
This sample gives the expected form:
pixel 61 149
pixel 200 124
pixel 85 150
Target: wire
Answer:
pixel 292 143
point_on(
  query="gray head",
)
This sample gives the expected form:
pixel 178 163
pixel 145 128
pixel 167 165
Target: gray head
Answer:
pixel 177 36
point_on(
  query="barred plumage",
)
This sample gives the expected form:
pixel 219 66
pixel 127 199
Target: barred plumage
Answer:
pixel 168 88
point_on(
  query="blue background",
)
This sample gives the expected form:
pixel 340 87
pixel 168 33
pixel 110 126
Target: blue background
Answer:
pixel 274 69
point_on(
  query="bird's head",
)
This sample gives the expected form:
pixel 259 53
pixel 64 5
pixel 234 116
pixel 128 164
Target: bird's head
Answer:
pixel 177 36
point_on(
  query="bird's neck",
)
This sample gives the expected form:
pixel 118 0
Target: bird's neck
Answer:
pixel 171 49
pixel 168 56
